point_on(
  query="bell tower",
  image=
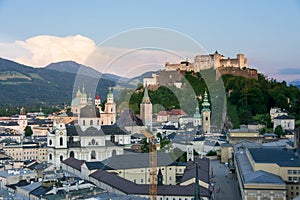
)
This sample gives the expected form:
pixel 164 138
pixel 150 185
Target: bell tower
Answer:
pixel 146 109
pixel 205 114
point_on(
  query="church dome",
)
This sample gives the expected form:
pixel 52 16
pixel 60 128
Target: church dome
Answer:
pixel 89 111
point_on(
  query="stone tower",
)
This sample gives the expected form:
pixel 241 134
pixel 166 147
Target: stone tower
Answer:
pixel 110 107
pixel 146 109
pixel 205 114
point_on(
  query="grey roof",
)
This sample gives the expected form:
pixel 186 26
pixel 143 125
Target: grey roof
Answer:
pixel 113 130
pixel 254 177
pixel 32 186
pixel 203 170
pixel 283 117
pixel 129 118
pixel 89 111
pixel 97 165
pixel 137 160
pixel 73 162
pixel 226 145
pixel 202 138
pixel 40 191
pixel 129 187
pixel 284 157
pixel 75 130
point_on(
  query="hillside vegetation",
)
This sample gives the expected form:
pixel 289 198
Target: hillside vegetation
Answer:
pixel 248 100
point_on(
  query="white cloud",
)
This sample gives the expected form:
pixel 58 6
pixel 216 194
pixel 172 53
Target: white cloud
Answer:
pixel 42 50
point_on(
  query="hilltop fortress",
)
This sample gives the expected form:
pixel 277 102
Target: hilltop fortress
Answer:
pixel 236 66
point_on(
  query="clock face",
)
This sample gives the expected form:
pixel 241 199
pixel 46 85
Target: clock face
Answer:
pixel 60 133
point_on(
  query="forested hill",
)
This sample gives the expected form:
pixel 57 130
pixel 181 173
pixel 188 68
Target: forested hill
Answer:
pixel 247 99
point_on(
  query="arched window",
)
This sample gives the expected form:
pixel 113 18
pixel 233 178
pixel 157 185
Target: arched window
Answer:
pixel 61 141
pixel 50 142
pixel 91 122
pixel 50 156
pixel 114 153
pixel 61 158
pixel 93 142
pixel 93 155
pixel 72 154
pixel 83 122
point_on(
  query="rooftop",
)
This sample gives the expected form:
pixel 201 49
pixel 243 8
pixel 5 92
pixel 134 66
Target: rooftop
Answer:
pixel 284 157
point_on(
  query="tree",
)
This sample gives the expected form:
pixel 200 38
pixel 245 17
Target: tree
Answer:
pixel 28 131
pixel 279 131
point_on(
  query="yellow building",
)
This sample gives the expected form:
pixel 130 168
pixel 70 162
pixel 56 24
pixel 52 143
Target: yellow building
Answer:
pixel 226 152
pixel 26 151
pixel 268 172
pixel 243 133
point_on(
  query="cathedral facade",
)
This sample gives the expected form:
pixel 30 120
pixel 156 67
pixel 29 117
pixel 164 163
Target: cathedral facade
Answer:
pixel 107 116
pixel 93 137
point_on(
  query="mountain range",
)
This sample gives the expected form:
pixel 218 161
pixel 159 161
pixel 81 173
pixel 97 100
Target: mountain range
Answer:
pixel 53 84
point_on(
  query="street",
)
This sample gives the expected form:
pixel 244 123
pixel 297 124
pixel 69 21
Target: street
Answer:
pixel 225 183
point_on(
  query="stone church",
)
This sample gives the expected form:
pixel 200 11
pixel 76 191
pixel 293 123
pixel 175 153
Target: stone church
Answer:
pixel 93 137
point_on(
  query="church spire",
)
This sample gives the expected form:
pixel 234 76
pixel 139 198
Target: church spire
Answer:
pixel 146 98
pixel 205 104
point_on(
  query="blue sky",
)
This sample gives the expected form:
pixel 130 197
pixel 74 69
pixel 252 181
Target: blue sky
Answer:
pixel 267 32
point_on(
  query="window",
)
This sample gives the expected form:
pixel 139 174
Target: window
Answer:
pixel 290 178
pixel 93 142
pixel 83 122
pixel 294 171
pixel 295 178
pixel 91 122
pixel 93 155
pixel 142 180
pixel 72 154
pixel 290 171
pixel 61 158
pixel 97 122
pixel 61 141
pixel 50 142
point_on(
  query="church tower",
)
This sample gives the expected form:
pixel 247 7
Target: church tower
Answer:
pixel 205 114
pixel 22 120
pixel 146 109
pixel 83 98
pixel 110 107
pixel 197 117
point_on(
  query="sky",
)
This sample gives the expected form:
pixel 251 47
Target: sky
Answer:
pixel 114 36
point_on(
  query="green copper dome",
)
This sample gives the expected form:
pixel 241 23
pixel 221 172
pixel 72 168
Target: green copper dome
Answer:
pixel 197 113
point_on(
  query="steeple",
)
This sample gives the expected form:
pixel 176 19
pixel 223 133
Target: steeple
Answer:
pixel 146 98
pixel 197 113
pixel 78 93
pixel 159 178
pixel 90 100
pixel 205 104
pixel 22 111
pixel 196 186
pixel 110 93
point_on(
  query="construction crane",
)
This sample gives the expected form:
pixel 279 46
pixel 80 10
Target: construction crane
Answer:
pixel 153 165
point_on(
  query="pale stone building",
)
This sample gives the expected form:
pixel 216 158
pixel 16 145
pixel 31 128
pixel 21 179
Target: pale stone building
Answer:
pixel 146 109
pixel 286 122
pixel 107 117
